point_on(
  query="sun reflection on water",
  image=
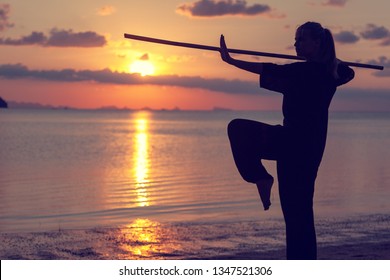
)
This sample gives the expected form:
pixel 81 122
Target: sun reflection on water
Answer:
pixel 141 159
pixel 144 238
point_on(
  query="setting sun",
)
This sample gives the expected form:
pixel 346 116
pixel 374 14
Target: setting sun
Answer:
pixel 143 67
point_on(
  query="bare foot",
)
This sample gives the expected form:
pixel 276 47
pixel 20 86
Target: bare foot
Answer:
pixel 264 187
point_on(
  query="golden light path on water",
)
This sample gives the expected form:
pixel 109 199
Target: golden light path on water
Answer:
pixel 141 159
pixel 147 239
pixel 143 238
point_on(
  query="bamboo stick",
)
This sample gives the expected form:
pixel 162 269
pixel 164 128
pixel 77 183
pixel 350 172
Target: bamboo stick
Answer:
pixel 236 51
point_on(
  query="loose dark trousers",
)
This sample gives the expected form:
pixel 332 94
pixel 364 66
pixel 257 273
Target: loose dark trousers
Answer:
pixel 252 141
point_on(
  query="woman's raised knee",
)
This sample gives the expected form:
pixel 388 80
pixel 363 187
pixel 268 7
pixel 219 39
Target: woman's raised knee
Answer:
pixel 234 126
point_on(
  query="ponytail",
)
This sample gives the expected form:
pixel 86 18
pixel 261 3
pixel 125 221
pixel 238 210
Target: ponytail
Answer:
pixel 327 52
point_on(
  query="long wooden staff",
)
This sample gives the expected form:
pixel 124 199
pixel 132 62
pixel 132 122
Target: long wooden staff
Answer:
pixel 237 51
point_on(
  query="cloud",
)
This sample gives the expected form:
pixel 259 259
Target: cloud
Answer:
pixel 215 8
pixel 59 38
pixel 370 32
pixel 67 38
pixel 356 99
pixel 35 38
pixel 145 56
pixel 346 37
pixel 106 76
pixel 385 42
pixel 4 12
pixel 359 99
pixel 106 10
pixel 335 3
pixel 374 32
pixel 384 61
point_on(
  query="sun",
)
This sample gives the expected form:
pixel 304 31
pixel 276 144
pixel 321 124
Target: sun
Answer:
pixel 142 67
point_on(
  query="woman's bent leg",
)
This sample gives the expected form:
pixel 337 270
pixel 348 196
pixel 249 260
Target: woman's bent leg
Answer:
pixel 250 142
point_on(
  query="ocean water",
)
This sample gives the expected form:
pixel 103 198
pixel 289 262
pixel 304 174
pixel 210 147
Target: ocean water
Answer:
pixel 75 169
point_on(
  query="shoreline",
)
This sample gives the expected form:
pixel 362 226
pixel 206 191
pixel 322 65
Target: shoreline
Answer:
pixel 361 238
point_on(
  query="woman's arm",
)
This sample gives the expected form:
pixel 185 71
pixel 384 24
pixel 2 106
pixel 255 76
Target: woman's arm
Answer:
pixel 254 67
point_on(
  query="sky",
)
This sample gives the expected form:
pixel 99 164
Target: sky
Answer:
pixel 73 53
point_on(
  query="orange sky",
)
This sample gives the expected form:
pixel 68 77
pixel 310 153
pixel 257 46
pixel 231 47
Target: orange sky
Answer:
pixel 74 54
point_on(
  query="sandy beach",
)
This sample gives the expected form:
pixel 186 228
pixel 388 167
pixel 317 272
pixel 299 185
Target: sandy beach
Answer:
pixel 365 238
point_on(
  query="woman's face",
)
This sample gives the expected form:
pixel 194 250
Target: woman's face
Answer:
pixel 305 46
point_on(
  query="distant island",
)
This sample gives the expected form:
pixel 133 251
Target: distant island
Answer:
pixel 33 105
pixel 3 104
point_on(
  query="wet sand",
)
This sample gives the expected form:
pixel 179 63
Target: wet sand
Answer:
pixel 360 238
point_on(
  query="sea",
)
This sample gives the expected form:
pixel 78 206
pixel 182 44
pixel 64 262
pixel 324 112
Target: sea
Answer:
pixel 96 169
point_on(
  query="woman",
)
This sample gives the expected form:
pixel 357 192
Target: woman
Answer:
pixel 298 145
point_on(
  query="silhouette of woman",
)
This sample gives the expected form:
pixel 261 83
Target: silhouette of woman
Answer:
pixel 298 144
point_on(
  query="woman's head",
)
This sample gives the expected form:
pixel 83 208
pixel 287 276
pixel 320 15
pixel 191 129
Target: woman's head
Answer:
pixel 315 43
